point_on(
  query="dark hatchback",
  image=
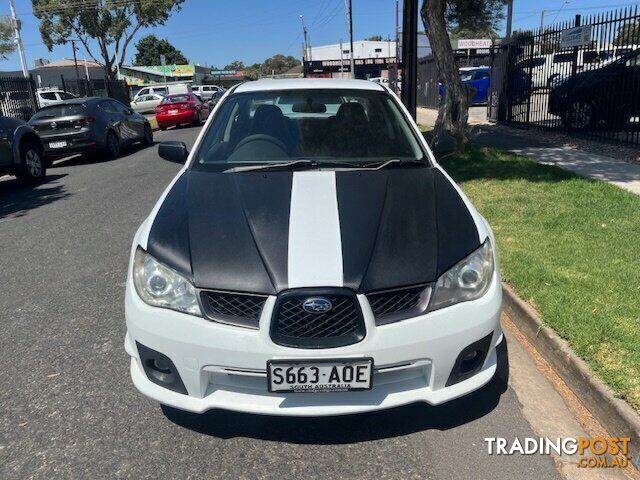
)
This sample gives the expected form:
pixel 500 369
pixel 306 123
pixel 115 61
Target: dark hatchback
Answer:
pixel 609 94
pixel 90 124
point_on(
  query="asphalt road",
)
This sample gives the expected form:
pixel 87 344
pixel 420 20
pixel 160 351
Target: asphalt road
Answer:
pixel 69 410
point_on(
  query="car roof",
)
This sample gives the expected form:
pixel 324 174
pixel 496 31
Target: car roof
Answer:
pixel 266 85
pixel 79 101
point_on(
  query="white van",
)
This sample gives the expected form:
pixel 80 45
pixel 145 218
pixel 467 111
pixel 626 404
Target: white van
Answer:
pixel 207 92
pixel 163 90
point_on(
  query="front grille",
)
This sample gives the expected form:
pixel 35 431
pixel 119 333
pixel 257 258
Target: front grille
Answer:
pixel 234 308
pixel 293 326
pixel 393 305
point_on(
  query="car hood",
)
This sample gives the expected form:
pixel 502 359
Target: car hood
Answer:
pixel 264 232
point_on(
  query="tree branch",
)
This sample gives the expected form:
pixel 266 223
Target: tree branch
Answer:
pixel 127 40
pixel 85 44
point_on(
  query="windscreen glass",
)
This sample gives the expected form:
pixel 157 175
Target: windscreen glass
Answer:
pixel 282 126
pixel 60 111
pixel 175 99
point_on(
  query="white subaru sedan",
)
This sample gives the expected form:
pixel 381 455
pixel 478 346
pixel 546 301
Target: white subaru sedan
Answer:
pixel 311 258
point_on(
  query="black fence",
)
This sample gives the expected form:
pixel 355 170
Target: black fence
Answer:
pixel 581 77
pixel 117 89
pixel 17 97
pixel 428 78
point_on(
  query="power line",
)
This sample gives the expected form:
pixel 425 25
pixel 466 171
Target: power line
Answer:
pixel 576 9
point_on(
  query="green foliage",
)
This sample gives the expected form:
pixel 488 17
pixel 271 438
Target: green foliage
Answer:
pixel 150 48
pixel 273 65
pixel 109 23
pixel 235 65
pixel 474 18
pixel 375 38
pixel 278 64
pixel 6 38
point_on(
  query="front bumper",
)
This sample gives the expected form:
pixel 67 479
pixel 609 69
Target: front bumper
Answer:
pixel 224 366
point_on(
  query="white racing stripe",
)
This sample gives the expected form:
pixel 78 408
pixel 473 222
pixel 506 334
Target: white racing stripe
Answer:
pixel 315 248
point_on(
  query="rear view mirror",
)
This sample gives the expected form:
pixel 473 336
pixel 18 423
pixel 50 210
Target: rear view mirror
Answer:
pixel 309 107
pixel 175 152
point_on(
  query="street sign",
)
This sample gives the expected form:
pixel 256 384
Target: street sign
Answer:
pixel 223 72
pixel 575 37
pixel 468 43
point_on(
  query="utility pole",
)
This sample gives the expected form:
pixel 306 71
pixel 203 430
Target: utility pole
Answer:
pixel 509 17
pixel 18 39
pixel 163 62
pixel 75 61
pixel 341 60
pixel 353 61
pixel 410 55
pixel 395 82
pixel 306 42
pixel 541 20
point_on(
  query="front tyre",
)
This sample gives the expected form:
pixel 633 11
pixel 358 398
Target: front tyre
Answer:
pixel 198 121
pixel 112 146
pixel 148 135
pixel 32 165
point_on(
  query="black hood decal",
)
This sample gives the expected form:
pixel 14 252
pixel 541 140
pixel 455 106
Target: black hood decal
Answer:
pixel 231 229
pixel 168 240
pixel 398 227
pixel 388 227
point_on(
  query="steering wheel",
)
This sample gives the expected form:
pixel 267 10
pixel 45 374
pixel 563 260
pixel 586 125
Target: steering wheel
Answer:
pixel 262 138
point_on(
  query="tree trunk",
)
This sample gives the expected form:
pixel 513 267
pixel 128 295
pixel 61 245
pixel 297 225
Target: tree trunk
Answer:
pixel 453 112
pixel 109 71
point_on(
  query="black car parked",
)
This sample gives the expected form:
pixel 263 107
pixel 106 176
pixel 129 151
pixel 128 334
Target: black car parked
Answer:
pixel 89 124
pixel 609 94
pixel 21 151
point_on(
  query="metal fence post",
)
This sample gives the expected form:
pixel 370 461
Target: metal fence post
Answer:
pixel 574 67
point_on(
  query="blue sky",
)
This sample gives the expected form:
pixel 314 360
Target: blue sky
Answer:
pixel 215 32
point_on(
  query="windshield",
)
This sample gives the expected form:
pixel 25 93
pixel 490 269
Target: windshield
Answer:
pixel 60 111
pixel 175 99
pixel 353 126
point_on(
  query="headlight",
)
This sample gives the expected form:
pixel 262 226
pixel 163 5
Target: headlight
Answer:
pixel 160 286
pixel 467 280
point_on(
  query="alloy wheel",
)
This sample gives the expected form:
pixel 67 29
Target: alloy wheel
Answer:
pixel 33 162
pixel 581 114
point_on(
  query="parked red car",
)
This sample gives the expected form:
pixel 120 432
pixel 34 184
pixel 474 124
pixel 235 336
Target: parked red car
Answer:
pixel 181 108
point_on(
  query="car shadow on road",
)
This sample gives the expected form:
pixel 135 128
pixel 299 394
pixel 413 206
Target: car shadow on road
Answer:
pixel 95 156
pixel 351 428
pixel 17 199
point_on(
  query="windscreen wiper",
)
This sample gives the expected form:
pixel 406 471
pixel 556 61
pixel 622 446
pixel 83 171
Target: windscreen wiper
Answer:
pixel 394 161
pixel 268 166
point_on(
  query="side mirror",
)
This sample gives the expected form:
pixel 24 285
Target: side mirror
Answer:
pixel 173 151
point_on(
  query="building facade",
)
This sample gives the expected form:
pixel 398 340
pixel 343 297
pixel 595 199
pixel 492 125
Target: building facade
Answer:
pixel 372 59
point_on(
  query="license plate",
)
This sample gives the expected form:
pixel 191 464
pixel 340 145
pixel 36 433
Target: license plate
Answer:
pixel 61 144
pixel 315 376
pixel 173 112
